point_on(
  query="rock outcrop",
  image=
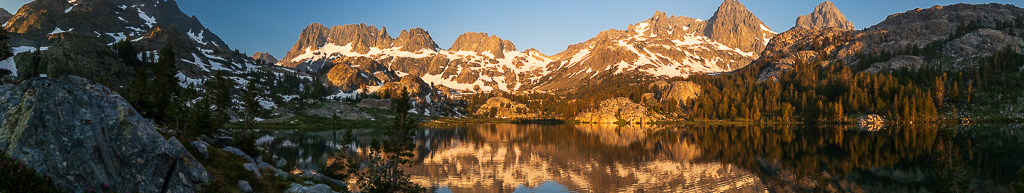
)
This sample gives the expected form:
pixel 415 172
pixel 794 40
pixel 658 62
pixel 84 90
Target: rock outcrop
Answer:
pixel 678 91
pixel 825 15
pixel 264 58
pixel 82 135
pixel 982 42
pixel 501 107
pixel 353 73
pixel 618 109
pixel 897 63
pixel 317 188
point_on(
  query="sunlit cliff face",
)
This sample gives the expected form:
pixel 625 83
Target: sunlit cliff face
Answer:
pixel 585 158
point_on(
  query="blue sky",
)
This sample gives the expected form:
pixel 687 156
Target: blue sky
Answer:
pixel 549 26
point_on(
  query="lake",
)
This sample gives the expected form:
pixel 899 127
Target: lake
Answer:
pixel 775 158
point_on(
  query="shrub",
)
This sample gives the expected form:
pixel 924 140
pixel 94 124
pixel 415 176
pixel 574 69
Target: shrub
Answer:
pixel 15 176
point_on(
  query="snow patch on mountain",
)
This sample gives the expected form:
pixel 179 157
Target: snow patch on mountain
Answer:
pixel 641 27
pixel 149 20
pixel 330 50
pixel 198 37
pixel 184 81
pixel 57 30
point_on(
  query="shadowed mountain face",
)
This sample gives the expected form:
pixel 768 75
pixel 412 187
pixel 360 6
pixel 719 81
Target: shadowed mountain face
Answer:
pixel 662 46
pixel 4 16
pixel 148 24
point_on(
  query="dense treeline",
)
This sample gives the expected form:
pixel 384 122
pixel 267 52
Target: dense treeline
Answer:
pixel 822 91
pixel 586 98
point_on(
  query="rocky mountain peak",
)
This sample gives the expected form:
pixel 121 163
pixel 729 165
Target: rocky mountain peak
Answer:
pixel 415 39
pixel 319 42
pixel 264 57
pixel 734 26
pixel 825 15
pixel 481 42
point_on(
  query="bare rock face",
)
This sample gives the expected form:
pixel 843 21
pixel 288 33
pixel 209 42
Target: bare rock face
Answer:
pixel 982 42
pixel 899 62
pixel 825 15
pixel 414 39
pixel 83 135
pixel 501 107
pixel 734 26
pixel 349 74
pixel 264 58
pixel 480 42
pixel 679 91
pixel 614 110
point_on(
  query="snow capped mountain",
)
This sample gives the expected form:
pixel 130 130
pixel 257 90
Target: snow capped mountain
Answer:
pixel 661 46
pixel 475 61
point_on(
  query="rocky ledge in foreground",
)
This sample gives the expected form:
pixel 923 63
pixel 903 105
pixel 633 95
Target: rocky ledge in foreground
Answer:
pixel 82 135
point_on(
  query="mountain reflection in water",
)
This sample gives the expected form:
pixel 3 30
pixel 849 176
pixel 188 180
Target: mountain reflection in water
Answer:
pixel 612 158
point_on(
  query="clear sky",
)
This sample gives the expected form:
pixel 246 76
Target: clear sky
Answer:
pixel 550 26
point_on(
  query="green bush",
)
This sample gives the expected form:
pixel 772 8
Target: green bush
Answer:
pixel 15 176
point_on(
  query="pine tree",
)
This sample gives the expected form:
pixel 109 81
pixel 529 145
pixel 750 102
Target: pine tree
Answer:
pixel 164 85
pixel 252 106
pixel 127 53
pixel 5 46
pixel 137 88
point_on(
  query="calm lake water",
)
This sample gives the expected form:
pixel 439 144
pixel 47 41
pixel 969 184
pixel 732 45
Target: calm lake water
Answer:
pixel 611 158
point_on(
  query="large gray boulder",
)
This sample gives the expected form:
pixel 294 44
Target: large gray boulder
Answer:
pixel 243 186
pixel 318 188
pixel 83 135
